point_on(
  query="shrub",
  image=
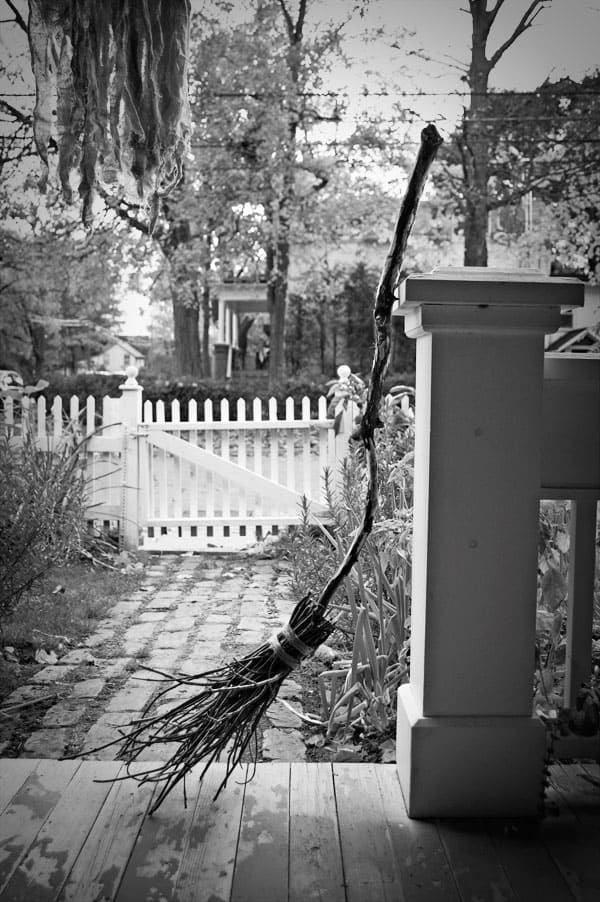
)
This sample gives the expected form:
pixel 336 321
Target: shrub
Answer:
pixel 373 609
pixel 246 385
pixel 41 510
pixel 553 567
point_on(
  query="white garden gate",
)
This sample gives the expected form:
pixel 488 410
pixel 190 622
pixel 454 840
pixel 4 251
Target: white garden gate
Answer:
pixel 223 483
pixel 214 482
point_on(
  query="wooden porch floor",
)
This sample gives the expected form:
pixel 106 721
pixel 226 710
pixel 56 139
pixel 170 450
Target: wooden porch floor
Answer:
pixel 295 832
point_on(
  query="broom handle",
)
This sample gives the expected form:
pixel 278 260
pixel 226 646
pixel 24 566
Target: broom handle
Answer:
pixel 382 314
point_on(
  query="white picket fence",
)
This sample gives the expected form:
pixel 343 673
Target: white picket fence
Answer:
pixel 206 481
pixel 100 448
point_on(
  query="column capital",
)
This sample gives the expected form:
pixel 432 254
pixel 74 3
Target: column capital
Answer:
pixel 482 298
pixel 476 285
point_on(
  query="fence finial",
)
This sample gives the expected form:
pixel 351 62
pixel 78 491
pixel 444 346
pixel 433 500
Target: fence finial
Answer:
pixel 131 373
pixel 343 371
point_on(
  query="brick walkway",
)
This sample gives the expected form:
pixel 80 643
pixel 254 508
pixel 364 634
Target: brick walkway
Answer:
pixel 189 614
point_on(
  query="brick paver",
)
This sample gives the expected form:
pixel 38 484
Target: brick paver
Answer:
pixel 191 614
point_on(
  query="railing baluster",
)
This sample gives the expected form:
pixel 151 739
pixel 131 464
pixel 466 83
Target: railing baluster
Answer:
pixel 580 600
pixel 306 448
pixel 290 450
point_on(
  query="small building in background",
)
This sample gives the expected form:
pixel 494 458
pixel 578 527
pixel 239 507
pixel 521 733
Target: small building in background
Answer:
pixel 117 355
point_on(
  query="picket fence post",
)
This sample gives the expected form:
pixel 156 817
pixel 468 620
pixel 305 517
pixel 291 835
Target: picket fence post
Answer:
pixel 130 417
pixel 346 427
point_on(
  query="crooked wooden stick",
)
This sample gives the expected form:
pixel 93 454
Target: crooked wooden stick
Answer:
pixel 382 316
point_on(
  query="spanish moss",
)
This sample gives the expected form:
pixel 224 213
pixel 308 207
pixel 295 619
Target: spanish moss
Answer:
pixel 111 96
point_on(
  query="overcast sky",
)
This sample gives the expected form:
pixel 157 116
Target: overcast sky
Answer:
pixel 564 40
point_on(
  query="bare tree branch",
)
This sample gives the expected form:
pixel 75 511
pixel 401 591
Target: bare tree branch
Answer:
pixel 294 30
pixel 288 20
pixel 123 211
pixel 526 21
pixel 300 22
pixel 496 9
pixel 19 20
pixel 14 112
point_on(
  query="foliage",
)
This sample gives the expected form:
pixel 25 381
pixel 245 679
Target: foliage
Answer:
pixel 331 321
pixel 98 386
pixel 553 559
pixel 270 189
pixel 42 498
pixel 553 565
pixel 55 615
pixel 358 695
pixel 65 604
pixel 545 142
pixel 58 296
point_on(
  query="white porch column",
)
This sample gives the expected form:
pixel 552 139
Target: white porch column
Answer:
pixel 467 743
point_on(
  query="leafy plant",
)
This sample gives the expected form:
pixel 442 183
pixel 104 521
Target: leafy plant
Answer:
pixel 42 497
pixel 553 562
pixel 553 565
pixel 374 609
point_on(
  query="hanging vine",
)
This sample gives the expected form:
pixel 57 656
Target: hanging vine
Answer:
pixel 111 96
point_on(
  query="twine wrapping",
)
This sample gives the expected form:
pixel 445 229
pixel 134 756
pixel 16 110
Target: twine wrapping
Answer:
pixel 289 637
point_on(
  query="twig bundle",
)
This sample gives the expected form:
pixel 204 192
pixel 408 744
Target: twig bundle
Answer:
pixel 222 718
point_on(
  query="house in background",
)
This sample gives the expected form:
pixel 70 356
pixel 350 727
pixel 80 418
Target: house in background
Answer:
pixel 117 355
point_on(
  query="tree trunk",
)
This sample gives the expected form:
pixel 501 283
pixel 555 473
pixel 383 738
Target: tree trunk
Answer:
pixel 206 329
pixel 278 264
pixel 322 336
pixel 476 220
pixel 38 348
pixel 187 339
pixel 475 159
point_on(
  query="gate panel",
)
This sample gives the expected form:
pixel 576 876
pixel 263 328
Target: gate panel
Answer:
pixel 223 484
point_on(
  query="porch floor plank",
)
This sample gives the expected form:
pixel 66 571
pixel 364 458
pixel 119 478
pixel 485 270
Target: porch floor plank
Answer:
pixel 527 863
pixel 573 846
pixel 99 868
pixel 208 863
pixel 370 865
pixel 475 867
pixel 28 810
pixel 316 869
pixel 20 769
pixel 48 862
pixel 295 832
pixel 160 844
pixel 425 872
pixel 261 869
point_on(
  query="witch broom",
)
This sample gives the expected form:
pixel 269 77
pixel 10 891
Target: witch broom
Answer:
pixel 221 719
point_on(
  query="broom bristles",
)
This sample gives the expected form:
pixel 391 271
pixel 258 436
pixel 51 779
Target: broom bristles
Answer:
pixel 222 719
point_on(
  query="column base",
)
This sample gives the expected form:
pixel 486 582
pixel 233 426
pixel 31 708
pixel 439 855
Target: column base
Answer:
pixel 469 766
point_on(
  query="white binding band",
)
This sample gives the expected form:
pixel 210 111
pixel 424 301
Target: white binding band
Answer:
pixel 288 635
